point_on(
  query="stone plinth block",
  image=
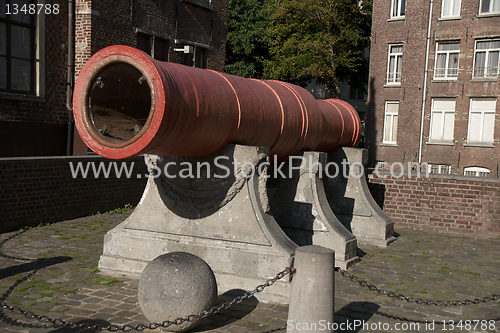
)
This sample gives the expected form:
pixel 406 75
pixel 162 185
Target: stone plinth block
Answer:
pixel 176 285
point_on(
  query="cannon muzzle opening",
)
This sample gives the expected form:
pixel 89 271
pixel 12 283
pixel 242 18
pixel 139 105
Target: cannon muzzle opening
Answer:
pixel 127 103
pixel 119 104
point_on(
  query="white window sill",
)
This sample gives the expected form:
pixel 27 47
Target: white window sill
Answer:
pixel 440 143
pixel 392 85
pixel 480 144
pixel 488 15
pixel 449 18
pixel 399 18
pixel 446 79
pixel 388 144
pixel 485 78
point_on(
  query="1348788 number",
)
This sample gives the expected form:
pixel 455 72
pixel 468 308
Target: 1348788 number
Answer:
pixel 483 325
pixel 25 9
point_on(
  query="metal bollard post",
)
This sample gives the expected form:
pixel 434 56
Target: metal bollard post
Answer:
pixel 313 290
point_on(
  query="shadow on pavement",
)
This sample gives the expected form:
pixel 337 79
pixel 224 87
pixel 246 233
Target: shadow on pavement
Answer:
pixel 31 266
pixel 228 316
pixel 352 316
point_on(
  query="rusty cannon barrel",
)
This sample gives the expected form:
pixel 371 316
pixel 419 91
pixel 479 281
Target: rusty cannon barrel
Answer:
pixel 127 103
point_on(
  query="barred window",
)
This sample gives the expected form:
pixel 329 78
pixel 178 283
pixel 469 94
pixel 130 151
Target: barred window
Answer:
pixel 476 172
pixel 440 169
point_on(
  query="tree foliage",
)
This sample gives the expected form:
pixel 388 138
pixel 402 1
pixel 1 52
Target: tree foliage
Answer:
pixel 247 38
pixel 321 39
pixel 298 40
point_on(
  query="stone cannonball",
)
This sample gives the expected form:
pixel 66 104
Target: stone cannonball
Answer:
pixel 176 285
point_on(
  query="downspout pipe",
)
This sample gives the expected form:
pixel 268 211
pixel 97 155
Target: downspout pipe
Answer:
pixel 69 79
pixel 424 93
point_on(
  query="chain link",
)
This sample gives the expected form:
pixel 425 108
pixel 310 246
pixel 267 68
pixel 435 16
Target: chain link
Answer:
pixel 141 327
pixel 412 299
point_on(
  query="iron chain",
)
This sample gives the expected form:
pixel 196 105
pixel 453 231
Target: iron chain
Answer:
pixel 150 326
pixel 412 299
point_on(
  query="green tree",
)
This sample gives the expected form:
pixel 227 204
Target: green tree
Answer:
pixel 321 39
pixel 247 38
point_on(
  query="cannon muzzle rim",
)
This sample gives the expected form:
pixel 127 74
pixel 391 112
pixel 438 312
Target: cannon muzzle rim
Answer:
pixel 117 55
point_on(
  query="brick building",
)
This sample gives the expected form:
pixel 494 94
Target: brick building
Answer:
pixel 35 116
pixel 433 86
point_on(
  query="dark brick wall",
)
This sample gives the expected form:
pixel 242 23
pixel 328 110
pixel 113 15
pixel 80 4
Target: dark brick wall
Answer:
pixel 412 34
pixel 104 23
pixel 455 204
pixel 36 190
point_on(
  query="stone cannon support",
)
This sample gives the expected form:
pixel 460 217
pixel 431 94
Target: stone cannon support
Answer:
pixel 225 221
pixel 300 206
pixel 352 203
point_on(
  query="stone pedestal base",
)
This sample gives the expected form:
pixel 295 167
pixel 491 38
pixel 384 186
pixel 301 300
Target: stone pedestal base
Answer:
pixel 222 217
pixel 246 225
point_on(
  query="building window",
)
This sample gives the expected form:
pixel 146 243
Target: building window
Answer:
pixel 442 119
pixel 398 8
pixel 481 120
pixel 446 60
pixel 356 93
pixel 489 7
pixel 440 169
pixel 17 49
pixel 476 172
pixel 450 8
pixel 394 64
pixel 391 122
pixel 380 165
pixel 155 46
pixel 486 58
pixel 196 58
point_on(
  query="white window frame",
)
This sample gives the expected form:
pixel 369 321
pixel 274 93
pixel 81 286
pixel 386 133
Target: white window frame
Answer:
pixel 396 9
pixel 449 73
pixel 490 7
pixel 393 76
pixel 393 140
pixel 482 122
pixel 487 51
pixel 440 169
pixel 451 9
pixel 477 171
pixel 441 113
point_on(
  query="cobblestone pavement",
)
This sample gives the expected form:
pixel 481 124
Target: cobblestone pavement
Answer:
pixel 52 270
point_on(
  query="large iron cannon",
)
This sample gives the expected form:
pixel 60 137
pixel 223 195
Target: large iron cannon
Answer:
pixel 127 103
pixel 243 225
